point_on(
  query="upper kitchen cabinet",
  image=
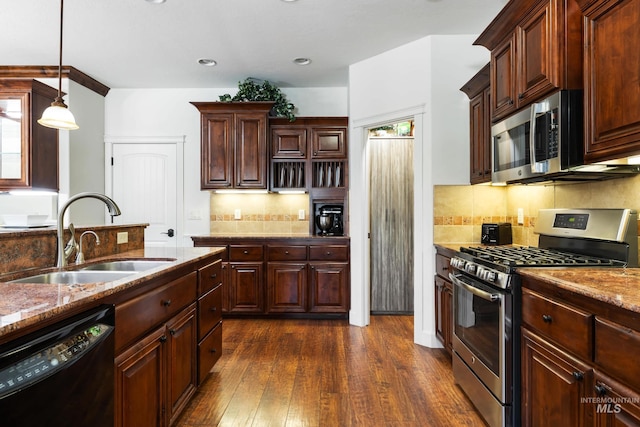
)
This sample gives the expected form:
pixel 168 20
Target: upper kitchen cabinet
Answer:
pixel 478 91
pixel 28 151
pixel 233 144
pixel 536 48
pixel 611 78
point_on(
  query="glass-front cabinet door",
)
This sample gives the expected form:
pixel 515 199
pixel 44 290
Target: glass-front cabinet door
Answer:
pixel 28 151
pixel 13 141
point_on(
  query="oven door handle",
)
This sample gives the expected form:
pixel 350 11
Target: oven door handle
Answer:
pixel 455 278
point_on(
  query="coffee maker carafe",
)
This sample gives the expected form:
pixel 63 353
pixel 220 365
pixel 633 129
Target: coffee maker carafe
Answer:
pixel 329 220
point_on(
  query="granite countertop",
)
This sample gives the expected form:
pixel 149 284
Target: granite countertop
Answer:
pixel 24 304
pixel 262 236
pixel 619 287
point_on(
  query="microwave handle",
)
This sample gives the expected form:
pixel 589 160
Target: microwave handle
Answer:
pixel 532 138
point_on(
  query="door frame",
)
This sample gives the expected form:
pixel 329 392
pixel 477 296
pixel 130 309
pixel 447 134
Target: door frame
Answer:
pixel 359 223
pixel 178 141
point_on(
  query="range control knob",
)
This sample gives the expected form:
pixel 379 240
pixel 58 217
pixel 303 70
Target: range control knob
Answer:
pixel 470 268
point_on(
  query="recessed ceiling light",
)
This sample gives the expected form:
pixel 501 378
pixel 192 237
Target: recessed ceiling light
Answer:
pixel 207 62
pixel 302 61
pixel 156 1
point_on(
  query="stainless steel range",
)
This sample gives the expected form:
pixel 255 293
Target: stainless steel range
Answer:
pixel 487 297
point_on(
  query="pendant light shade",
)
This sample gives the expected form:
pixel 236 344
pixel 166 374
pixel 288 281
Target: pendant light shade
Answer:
pixel 58 116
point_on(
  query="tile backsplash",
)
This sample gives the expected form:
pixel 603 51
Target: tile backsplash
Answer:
pixel 459 211
pixel 273 214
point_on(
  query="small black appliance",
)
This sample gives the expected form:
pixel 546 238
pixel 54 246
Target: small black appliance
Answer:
pixel 496 234
pixel 329 220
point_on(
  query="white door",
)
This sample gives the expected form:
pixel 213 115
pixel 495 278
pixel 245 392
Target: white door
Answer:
pixel 144 185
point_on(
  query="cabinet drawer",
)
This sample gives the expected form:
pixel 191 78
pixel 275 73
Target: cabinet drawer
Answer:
pixel 329 253
pixel 245 252
pixel 613 349
pixel 149 310
pixel 209 351
pixel 209 277
pixel 287 253
pixel 209 311
pixel 442 266
pixel 568 326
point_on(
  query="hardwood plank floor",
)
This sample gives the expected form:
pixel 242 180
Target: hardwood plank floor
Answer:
pixel 328 373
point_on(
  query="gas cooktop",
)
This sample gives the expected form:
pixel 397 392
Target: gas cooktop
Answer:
pixel 514 256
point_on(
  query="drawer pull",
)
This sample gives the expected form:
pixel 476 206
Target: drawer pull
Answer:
pixel 245 252
pixel 163 338
pixel 328 253
pixel 166 303
pixel 213 276
pixel 214 309
pixel 546 318
pixel 578 376
pixel 286 252
pixel 213 350
pixel 600 390
pixel 172 332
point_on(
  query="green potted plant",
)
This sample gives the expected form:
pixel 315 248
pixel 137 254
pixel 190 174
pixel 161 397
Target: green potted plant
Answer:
pixel 251 90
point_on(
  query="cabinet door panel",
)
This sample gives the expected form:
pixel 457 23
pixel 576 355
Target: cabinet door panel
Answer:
pixel 217 151
pixel 329 142
pixel 552 385
pixel 209 351
pixel 286 287
pixel 329 291
pixel 615 405
pixel 251 151
pixel 612 73
pixel 182 367
pixel 140 383
pixel 503 73
pixel 288 143
pixel 245 288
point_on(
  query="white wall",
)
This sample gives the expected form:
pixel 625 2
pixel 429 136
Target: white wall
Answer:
pixel 421 80
pixel 168 112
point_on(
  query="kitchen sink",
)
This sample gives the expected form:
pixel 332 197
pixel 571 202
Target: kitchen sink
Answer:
pixel 75 277
pixel 127 265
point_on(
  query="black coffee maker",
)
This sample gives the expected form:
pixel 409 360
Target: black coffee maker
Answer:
pixel 329 220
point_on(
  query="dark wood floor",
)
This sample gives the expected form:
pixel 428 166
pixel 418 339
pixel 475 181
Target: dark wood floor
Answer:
pixel 328 373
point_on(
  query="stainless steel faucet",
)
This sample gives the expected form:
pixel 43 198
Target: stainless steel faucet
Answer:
pixel 114 210
pixel 80 255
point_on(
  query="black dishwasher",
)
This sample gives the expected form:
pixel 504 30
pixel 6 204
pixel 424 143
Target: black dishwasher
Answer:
pixel 62 375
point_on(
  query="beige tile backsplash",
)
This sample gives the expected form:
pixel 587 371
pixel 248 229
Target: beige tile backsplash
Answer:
pixel 274 214
pixel 459 211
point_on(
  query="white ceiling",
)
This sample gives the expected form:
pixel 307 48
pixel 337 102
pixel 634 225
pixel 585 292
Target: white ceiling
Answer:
pixel 134 43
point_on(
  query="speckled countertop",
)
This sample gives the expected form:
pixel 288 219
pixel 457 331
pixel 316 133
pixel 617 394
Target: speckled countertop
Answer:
pixel 619 287
pixel 24 304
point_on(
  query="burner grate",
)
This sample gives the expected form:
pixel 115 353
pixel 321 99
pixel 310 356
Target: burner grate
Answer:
pixel 531 256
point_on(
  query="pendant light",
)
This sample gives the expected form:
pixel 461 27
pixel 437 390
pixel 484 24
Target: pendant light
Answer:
pixel 58 116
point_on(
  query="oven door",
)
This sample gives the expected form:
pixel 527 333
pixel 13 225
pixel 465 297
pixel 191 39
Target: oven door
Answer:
pixel 482 332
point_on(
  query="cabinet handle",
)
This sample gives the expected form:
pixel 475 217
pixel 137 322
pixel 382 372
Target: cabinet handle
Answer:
pixel 224 267
pixel 286 252
pixel 172 332
pixel 245 252
pixel 546 318
pixel 600 390
pixel 163 338
pixel 445 268
pixel 328 253
pixel 579 376
pixel 520 95
pixel 213 350
pixel 214 309
pixel 233 266
pixel 313 267
pixel 213 276
pixel 166 303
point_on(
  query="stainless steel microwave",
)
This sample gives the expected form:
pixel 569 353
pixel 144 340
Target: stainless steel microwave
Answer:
pixel 544 138
pixel 545 142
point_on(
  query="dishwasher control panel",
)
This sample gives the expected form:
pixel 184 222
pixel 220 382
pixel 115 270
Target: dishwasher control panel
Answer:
pixel 48 361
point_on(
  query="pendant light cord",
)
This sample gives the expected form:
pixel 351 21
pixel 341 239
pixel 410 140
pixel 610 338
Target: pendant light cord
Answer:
pixel 60 53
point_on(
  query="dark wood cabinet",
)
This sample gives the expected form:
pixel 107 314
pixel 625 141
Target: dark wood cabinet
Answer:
pixel 444 299
pixel 478 91
pixel 576 365
pixel 210 297
pixel 156 377
pixel 28 151
pixel 233 144
pixel 329 142
pixel 166 331
pixel 536 48
pixel 553 384
pixel 611 75
pixel 290 277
